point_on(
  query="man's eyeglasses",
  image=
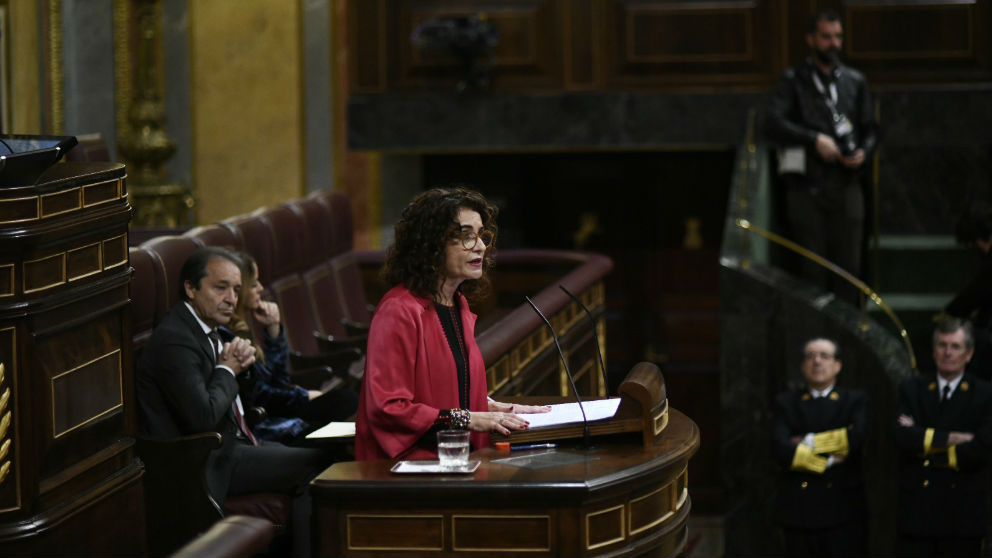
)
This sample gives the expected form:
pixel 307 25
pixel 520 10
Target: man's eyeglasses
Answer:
pixel 812 356
pixel 470 238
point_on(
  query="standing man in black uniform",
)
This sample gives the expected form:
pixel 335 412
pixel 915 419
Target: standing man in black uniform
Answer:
pixel 944 434
pixel 822 120
pixel 817 436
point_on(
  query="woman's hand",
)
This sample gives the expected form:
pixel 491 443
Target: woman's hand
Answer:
pixel 267 314
pixel 496 422
pixel 515 408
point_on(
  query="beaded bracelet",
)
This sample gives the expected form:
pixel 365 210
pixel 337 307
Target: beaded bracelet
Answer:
pixel 460 419
pixel 455 419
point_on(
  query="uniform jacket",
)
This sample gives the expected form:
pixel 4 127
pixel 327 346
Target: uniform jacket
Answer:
pixel 944 490
pixel 813 500
pixel 410 377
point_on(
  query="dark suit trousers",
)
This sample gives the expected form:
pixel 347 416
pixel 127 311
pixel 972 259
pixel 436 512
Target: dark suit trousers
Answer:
pixel 273 467
pixel 829 222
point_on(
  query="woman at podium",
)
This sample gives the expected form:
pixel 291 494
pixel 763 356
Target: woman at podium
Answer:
pixel 423 370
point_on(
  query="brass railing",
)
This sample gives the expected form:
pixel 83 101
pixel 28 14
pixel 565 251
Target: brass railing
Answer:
pixel 865 290
pixel 749 164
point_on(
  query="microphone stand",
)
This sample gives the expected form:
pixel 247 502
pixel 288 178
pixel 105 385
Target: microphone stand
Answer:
pixel 592 323
pixel 586 437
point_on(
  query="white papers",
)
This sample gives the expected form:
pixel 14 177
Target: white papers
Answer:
pixel 432 467
pixel 567 413
pixel 334 430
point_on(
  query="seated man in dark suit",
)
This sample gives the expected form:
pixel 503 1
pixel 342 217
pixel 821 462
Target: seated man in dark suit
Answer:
pixel 186 385
pixel 817 436
pixel 944 436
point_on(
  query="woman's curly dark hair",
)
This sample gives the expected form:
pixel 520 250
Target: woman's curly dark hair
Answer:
pixel 417 256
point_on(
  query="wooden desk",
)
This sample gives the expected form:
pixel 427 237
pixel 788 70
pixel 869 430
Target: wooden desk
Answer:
pixel 628 501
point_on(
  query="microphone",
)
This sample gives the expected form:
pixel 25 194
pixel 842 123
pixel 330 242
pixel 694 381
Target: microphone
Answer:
pixel 592 323
pixel 586 438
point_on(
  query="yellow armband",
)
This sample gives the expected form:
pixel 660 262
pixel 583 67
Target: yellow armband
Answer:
pixel 952 457
pixel 833 442
pixel 805 460
pixel 928 442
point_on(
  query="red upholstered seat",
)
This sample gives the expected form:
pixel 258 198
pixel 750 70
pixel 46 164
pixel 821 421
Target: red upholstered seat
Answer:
pixel 288 240
pixel 216 235
pixel 291 295
pixel 257 241
pixel 315 218
pixel 169 253
pixel 348 277
pixel 342 223
pixel 329 307
pixel 143 295
pixel 268 505
pixel 235 535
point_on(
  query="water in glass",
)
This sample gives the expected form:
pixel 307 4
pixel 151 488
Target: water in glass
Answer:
pixel 452 448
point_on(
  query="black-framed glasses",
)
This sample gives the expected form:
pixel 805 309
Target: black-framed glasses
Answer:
pixel 470 238
pixel 824 356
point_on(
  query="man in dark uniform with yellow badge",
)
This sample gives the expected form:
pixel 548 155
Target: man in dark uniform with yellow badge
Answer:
pixel 944 434
pixel 817 436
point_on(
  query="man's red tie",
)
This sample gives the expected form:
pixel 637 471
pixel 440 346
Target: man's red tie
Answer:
pixel 243 425
pixel 238 417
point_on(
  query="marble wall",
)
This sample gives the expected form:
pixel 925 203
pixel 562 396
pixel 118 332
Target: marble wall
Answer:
pixel 935 157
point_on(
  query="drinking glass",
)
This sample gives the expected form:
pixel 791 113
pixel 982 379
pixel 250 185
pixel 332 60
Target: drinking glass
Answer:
pixel 452 449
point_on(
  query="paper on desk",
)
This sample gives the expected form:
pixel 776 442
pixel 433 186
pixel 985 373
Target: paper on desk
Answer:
pixel 334 430
pixel 567 413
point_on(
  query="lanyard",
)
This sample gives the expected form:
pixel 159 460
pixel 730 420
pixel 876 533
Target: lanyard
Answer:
pixel 831 99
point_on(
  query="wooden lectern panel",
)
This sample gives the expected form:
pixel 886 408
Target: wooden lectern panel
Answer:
pixel 67 465
pixel 627 495
pixel 619 498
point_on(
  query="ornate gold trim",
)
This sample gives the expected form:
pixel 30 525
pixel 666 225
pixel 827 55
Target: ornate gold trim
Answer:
pixel 658 520
pixel 120 394
pixel 37 209
pixel 99 265
pixel 621 538
pixel 836 270
pixel 5 422
pixel 4 449
pixel 55 65
pixel 351 516
pixel 13 279
pixel 24 273
pixel 89 187
pixel 79 202
pixel 454 535
pixel 660 420
pixel 122 74
pixel 103 251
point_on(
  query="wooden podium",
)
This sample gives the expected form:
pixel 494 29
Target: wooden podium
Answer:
pixel 626 496
pixel 70 484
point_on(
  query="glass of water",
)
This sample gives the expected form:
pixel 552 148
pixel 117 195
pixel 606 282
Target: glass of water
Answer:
pixel 452 449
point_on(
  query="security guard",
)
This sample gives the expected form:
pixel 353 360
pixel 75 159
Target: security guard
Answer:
pixel 944 434
pixel 817 436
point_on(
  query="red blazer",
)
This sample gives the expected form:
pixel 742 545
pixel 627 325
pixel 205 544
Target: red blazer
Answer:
pixel 410 376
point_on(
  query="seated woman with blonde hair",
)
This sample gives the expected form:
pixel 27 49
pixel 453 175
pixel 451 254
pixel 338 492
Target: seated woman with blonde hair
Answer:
pixel 292 411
